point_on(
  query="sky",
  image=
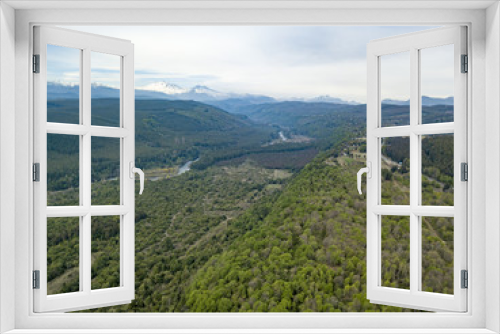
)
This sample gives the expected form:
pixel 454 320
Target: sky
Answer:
pixel 277 61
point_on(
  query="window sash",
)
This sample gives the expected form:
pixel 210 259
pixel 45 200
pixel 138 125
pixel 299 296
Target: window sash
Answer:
pixel 414 298
pixel 85 298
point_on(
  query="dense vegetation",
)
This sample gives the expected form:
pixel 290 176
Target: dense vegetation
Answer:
pixel 254 226
pixel 437 168
pixel 309 254
pixel 316 120
pixel 168 133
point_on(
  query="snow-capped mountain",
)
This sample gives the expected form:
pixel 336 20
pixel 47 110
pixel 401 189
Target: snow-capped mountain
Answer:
pixel 170 91
pixel 330 99
pixel 209 91
pixel 197 93
pixel 164 87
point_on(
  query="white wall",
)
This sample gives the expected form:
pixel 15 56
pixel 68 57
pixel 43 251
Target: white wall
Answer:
pixel 23 157
pixel 7 162
pixel 492 167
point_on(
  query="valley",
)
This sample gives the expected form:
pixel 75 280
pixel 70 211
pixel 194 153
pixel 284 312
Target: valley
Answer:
pixel 233 223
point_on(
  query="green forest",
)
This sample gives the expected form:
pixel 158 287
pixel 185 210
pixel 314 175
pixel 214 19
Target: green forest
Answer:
pixel 258 224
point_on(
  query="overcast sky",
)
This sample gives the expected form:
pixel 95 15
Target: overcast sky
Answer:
pixel 278 61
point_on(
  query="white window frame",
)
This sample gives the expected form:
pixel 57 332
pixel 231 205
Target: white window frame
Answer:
pixel 414 296
pixel 85 298
pixel 484 50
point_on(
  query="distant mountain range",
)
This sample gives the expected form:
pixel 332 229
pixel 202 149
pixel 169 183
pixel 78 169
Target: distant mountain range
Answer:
pixel 157 90
pixel 228 101
pixel 426 101
pixel 169 91
pixel 59 91
pixel 197 92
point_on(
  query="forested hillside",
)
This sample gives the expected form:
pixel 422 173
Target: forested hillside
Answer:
pixel 312 119
pixel 267 220
pixel 309 254
pixel 168 133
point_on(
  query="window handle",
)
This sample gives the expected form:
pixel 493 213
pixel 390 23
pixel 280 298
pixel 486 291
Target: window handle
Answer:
pixel 368 171
pixel 133 171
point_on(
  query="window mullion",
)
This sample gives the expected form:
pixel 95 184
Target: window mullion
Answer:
pixel 86 241
pixel 415 263
pixel 81 232
pixel 127 253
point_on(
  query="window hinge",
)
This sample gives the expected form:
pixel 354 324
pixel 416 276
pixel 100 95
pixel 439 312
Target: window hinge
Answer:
pixel 36 279
pixel 465 64
pixel 465 279
pixel 464 171
pixel 36 63
pixel 36 172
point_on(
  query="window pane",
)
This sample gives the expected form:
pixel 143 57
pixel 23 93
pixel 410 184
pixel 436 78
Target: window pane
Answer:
pixel 63 170
pixel 437 254
pixel 105 89
pixel 63 255
pixel 105 171
pixel 437 170
pixel 396 252
pixel 395 89
pixel 63 84
pixel 395 171
pixel 437 84
pixel 105 252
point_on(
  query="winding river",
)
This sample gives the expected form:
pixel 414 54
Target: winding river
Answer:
pixel 282 136
pixel 186 167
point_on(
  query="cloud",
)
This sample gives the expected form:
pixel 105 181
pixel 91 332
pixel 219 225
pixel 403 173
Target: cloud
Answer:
pixel 281 61
pixel 63 64
pixel 145 76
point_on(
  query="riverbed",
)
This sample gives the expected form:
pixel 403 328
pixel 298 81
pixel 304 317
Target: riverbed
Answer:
pixel 186 167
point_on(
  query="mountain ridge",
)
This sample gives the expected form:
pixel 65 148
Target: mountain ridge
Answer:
pixel 231 102
pixel 426 101
pixel 170 91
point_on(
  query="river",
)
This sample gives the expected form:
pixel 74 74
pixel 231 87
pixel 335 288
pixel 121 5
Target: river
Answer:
pixel 282 136
pixel 186 167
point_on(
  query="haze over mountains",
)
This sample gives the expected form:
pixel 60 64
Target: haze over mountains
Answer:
pixel 228 101
pixel 426 101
